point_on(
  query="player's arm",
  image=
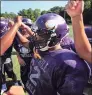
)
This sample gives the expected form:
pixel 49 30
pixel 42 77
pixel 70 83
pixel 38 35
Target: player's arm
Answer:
pixel 20 60
pixel 24 40
pixel 28 29
pixel 7 39
pixel 82 45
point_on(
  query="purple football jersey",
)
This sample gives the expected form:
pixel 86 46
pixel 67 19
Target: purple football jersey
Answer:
pixel 26 55
pixel 68 43
pixel 59 71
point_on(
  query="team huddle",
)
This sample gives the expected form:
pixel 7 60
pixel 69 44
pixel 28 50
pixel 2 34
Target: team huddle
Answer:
pixel 48 58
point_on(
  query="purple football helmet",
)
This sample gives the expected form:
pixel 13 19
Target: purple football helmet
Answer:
pixel 3 26
pixel 52 28
pixel 27 21
pixel 88 31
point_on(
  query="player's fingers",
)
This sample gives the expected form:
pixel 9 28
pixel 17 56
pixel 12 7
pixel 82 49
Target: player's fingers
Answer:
pixel 69 6
pixel 19 18
pixel 77 1
pixel 73 2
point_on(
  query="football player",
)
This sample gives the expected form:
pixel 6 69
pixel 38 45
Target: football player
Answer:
pixel 7 39
pixel 6 61
pixel 82 45
pixel 88 31
pixel 88 89
pixel 55 70
pixel 23 53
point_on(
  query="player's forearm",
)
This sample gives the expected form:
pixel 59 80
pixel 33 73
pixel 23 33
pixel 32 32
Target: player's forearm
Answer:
pixel 19 59
pixel 8 38
pixel 24 41
pixel 30 32
pixel 82 44
pixel 22 38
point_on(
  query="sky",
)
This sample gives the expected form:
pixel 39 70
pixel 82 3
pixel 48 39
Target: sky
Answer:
pixel 16 6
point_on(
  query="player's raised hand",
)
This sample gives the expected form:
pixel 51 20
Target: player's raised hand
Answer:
pixel 74 7
pixel 24 26
pixel 11 23
pixel 18 20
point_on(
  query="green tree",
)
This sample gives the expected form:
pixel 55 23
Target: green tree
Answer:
pixel 23 12
pixel 43 12
pixel 91 4
pixel 30 14
pixel 88 4
pixel 55 9
pixel 37 13
pixel 27 13
pixel 87 15
pixel 8 15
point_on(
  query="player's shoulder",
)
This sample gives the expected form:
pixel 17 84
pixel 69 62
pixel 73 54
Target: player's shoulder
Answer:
pixel 63 53
pixel 66 54
pixel 70 58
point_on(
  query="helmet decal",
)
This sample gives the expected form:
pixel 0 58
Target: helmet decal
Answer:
pixel 50 24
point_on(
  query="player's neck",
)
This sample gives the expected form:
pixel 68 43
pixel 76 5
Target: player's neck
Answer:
pixel 56 47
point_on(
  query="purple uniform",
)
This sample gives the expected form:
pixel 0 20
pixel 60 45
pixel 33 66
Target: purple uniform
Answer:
pixel 6 57
pixel 8 65
pixel 26 55
pixel 68 43
pixel 88 31
pixel 5 60
pixel 3 29
pixel 59 71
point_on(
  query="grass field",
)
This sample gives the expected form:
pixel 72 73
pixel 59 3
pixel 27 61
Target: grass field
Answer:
pixel 16 66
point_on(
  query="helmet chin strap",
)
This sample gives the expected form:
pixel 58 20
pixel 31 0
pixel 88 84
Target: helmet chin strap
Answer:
pixel 44 49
